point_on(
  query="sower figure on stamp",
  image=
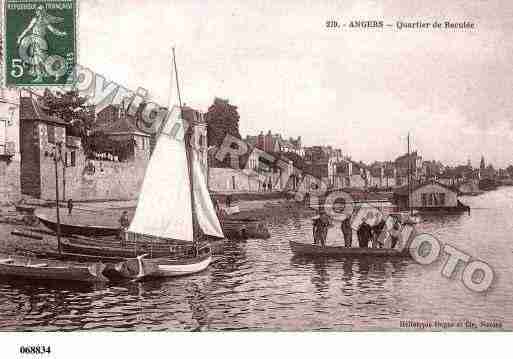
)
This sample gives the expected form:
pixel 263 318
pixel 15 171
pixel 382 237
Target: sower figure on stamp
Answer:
pixel 36 41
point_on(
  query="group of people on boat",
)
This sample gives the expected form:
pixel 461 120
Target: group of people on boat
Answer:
pixel 366 233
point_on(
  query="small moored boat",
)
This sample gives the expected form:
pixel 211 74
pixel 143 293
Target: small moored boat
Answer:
pixel 49 220
pixel 142 267
pixel 19 266
pixel 237 228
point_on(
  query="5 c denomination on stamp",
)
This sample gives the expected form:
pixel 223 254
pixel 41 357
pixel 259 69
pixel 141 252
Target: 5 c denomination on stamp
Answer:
pixel 40 42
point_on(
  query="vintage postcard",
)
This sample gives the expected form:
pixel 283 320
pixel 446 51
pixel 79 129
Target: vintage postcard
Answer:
pixel 288 166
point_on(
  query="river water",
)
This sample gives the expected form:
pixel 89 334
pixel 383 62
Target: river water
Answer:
pixel 257 285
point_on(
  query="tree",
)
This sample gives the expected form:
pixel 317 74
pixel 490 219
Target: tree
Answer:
pixel 222 119
pixel 71 108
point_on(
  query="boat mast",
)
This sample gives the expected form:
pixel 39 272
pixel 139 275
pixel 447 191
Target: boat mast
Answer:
pixel 56 158
pixel 188 150
pixel 409 173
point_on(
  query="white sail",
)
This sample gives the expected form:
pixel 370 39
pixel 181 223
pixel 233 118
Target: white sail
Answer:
pixel 205 212
pixel 164 205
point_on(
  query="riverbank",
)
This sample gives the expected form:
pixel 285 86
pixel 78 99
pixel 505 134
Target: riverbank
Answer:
pixel 269 209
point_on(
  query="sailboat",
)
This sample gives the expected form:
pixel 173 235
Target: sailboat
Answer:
pixel 174 205
pixel 174 213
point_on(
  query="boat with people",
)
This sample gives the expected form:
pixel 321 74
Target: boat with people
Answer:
pixel 44 269
pixel 378 235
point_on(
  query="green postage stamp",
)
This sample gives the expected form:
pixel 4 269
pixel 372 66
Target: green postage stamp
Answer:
pixel 39 42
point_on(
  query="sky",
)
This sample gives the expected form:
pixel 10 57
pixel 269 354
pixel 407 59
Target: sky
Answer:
pixel 358 90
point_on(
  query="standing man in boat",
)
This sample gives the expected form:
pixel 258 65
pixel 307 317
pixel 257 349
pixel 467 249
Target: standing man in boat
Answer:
pixel 324 223
pixel 364 234
pixel 315 228
pixel 320 228
pixel 347 231
pixel 376 234
pixel 124 223
pixel 70 206
pixel 395 233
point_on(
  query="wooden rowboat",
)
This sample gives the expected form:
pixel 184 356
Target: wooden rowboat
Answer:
pixel 19 266
pixel 304 249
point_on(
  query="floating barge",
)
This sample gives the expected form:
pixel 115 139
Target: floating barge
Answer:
pixel 430 197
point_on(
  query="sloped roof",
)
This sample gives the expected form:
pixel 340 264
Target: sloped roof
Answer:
pixel 192 115
pixel 123 126
pixel 403 190
pixel 30 110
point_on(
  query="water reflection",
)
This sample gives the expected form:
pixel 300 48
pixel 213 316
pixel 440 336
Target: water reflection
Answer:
pixel 197 300
pixel 321 277
pixel 257 284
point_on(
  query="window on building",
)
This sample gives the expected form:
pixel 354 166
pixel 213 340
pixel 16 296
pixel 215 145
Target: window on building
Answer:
pixel 233 183
pixel 441 199
pixel 200 141
pixel 424 200
pixel 51 134
pixel 73 156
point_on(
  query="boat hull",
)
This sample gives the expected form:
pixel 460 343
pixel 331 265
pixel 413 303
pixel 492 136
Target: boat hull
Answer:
pixel 232 228
pixel 244 228
pixel 69 229
pixel 52 270
pixel 304 249
pixel 139 268
pixel 103 247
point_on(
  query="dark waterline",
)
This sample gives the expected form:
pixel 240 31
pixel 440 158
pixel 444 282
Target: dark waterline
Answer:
pixel 257 285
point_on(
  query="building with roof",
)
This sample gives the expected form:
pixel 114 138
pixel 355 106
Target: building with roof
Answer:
pixel 409 162
pixel 9 146
pixel 428 196
pixel 40 134
pixel 123 129
pixel 276 143
pixel 97 172
pixel 255 171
